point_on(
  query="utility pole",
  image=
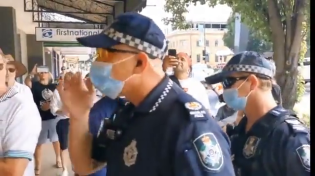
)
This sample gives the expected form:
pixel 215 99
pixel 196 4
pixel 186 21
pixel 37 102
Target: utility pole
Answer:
pixel 202 29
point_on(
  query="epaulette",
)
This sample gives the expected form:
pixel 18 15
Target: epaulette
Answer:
pixel 290 118
pixel 196 110
pixel 295 125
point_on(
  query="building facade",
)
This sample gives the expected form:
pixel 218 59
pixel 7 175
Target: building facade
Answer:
pixel 194 41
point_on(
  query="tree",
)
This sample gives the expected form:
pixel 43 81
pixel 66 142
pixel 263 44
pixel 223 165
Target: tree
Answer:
pixel 280 22
pixel 254 43
pixel 228 37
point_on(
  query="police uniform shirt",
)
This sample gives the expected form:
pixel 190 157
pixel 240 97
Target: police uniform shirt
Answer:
pixel 278 144
pixel 168 134
pixel 102 109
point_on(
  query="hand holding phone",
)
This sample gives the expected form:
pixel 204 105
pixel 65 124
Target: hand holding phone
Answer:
pixel 171 58
pixel 172 52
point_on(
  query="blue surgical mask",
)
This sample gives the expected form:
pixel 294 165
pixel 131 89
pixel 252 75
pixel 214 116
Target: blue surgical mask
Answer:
pixel 232 99
pixel 100 74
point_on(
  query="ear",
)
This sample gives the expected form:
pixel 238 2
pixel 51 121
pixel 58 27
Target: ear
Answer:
pixel 254 82
pixel 142 63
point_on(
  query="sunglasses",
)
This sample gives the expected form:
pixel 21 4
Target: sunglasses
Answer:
pixel 11 70
pixel 104 52
pixel 230 81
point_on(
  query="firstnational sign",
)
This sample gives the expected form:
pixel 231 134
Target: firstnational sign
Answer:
pixel 63 34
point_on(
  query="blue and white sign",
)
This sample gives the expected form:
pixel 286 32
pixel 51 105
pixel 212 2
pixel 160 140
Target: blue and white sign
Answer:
pixel 47 33
pixel 63 34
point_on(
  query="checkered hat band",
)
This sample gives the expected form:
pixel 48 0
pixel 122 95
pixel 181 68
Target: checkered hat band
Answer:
pixel 249 68
pixel 135 43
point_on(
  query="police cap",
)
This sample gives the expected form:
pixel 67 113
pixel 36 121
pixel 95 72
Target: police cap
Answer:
pixel 247 61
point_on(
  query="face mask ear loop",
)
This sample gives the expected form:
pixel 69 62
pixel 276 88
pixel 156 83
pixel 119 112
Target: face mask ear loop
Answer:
pixel 242 83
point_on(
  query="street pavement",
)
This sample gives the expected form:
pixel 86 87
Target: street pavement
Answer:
pixel 49 161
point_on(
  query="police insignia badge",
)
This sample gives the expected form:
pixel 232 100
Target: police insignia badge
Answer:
pixel 209 151
pixel 250 146
pixel 130 153
pixel 305 156
pixel 193 106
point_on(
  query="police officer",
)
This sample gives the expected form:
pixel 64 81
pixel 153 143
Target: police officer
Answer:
pixel 162 131
pixel 269 140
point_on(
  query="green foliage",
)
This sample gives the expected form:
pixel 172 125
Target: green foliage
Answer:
pixel 273 21
pixel 255 43
pixel 228 37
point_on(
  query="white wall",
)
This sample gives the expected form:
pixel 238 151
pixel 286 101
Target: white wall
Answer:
pixel 24 20
pixel 23 49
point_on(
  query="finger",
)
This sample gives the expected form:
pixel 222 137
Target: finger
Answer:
pixel 60 86
pixel 89 85
pixel 174 59
pixel 35 68
pixel 67 80
pixel 174 62
pixel 77 79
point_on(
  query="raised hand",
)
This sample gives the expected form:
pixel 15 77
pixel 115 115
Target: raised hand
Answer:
pixel 76 94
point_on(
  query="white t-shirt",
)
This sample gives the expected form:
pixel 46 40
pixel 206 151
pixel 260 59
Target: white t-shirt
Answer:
pixel 195 88
pixel 24 90
pixel 20 126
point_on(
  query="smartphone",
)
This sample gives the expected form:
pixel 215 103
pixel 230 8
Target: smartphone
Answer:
pixel 42 69
pixel 172 52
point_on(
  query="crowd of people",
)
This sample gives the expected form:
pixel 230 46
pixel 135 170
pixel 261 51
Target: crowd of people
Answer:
pixel 130 116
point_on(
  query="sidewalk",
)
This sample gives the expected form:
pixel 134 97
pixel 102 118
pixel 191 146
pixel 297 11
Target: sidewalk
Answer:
pixel 48 162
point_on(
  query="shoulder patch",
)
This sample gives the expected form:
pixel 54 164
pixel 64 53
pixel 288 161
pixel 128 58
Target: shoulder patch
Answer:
pixel 196 111
pixel 209 152
pixel 193 106
pixel 305 156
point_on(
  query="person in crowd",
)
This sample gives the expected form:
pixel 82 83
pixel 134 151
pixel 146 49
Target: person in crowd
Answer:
pixel 226 115
pixel 162 131
pixel 215 98
pixel 19 134
pixel 42 93
pixel 267 133
pixel 182 65
pixel 17 69
pixel 62 127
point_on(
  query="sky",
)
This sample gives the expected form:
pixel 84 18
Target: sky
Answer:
pixel 219 13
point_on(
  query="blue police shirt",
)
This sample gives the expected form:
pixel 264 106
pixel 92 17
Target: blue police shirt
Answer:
pixel 168 134
pixel 278 144
pixel 104 108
